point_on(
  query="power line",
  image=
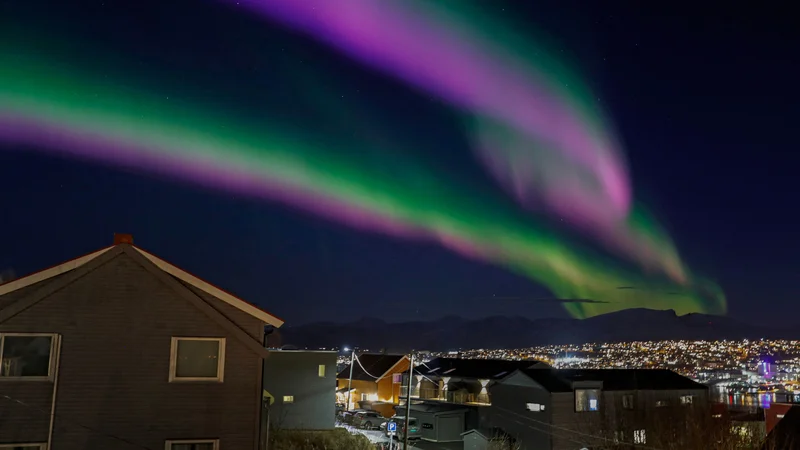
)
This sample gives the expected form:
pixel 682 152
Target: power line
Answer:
pixel 362 367
pixel 572 431
pixel 98 432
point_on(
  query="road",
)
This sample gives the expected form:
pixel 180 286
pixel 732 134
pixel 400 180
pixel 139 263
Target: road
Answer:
pixel 378 437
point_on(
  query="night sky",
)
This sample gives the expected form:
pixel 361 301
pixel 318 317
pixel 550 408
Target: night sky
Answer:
pixel 706 103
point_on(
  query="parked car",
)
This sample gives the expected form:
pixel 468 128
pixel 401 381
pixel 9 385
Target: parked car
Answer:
pixel 414 432
pixel 349 416
pixel 368 420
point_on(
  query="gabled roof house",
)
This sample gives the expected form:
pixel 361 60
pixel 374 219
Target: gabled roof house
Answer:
pixel 121 349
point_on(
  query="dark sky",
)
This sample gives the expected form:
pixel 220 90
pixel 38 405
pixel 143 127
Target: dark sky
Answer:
pixel 706 101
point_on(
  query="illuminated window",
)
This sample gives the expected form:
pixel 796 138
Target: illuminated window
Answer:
pixel 197 359
pixel 26 356
pixel 662 403
pixel 587 400
pixel 535 407
pixel 397 378
pixel 288 399
pixel 195 444
pixel 639 437
pixel 686 399
pixel 321 370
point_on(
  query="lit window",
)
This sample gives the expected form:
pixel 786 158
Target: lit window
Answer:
pixel 197 359
pixel 627 401
pixel 26 355
pixel 587 400
pixel 195 444
pixel 288 399
pixel 535 407
pixel 321 370
pixel 639 437
pixel 661 403
pixel 686 399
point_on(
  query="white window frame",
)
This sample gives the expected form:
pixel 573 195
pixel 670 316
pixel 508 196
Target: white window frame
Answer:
pixel 173 361
pixel 50 372
pixel 168 444
pixel 37 445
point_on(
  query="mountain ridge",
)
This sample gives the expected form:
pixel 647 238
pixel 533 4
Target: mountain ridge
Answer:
pixel 495 332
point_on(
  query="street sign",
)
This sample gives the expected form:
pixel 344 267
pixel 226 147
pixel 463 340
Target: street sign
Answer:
pixel 391 427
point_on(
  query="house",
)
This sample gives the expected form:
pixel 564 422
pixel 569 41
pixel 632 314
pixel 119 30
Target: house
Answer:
pixel 557 409
pixel 450 395
pixel 376 382
pixel 438 422
pixel 300 386
pixel 121 349
pixel 785 431
pixel 462 381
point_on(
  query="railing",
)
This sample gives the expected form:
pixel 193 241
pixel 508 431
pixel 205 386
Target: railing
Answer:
pixel 458 397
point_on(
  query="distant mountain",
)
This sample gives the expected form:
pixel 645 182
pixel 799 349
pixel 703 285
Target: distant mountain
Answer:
pixel 453 332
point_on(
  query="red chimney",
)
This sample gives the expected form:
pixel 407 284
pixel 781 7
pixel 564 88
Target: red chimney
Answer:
pixel 122 238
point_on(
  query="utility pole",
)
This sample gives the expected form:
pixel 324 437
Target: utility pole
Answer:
pixel 350 381
pixel 408 400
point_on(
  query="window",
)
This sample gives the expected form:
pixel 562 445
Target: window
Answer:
pixel 195 444
pixel 321 370
pixel 662 403
pixel 26 356
pixel 535 407
pixel 23 446
pixel 364 397
pixel 639 437
pixel 288 399
pixel 587 400
pixel 686 399
pixel 197 359
pixel 397 378
pixel 627 401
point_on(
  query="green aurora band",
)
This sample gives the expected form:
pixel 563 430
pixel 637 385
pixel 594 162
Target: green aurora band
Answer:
pixel 50 105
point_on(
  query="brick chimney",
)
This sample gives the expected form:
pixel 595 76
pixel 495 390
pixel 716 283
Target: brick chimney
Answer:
pixel 122 238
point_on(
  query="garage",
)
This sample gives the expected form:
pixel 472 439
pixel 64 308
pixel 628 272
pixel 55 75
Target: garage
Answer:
pixel 438 423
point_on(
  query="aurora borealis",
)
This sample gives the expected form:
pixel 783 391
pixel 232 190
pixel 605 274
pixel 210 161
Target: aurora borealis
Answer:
pixel 533 120
pixel 77 110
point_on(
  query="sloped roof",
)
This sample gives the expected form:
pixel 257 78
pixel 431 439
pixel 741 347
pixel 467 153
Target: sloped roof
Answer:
pixel 376 367
pixel 490 369
pixel 786 434
pixel 560 380
pixel 172 270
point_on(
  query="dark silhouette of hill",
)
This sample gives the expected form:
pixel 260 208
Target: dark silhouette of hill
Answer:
pixel 452 332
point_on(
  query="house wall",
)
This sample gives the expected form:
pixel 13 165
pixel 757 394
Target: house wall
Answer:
pixel 508 412
pixel 612 417
pixel 296 373
pixel 117 323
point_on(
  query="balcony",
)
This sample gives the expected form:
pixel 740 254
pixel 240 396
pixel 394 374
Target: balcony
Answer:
pixel 460 397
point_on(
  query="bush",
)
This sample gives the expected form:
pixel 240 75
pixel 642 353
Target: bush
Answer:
pixel 337 439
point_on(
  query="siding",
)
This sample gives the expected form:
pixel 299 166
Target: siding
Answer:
pixel 296 373
pixel 117 323
pixel 508 412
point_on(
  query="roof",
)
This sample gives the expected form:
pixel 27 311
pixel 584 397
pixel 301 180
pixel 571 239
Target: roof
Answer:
pixel 561 380
pixel 377 367
pixel 786 434
pixel 170 269
pixel 433 408
pixel 487 433
pixel 491 369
